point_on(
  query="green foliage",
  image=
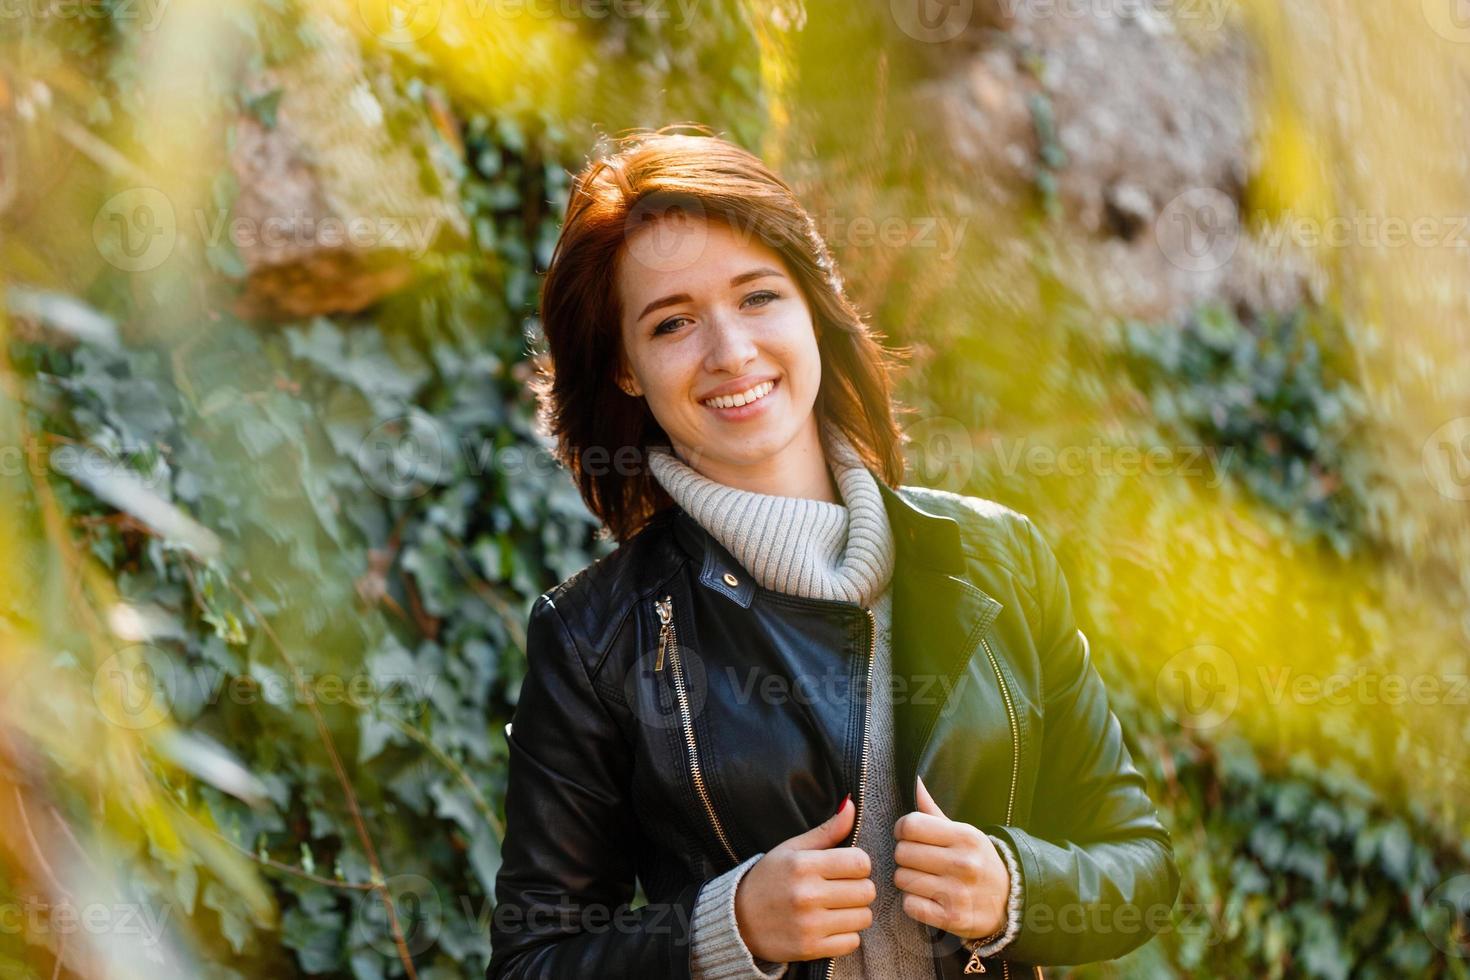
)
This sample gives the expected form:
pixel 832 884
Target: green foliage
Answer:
pixel 1304 871
pixel 1269 391
pixel 387 514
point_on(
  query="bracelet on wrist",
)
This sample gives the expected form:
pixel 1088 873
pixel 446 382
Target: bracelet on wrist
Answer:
pixel 975 965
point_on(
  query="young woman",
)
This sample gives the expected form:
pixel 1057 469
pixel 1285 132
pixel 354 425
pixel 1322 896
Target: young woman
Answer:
pixel 836 727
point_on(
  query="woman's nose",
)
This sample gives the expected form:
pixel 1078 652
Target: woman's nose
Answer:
pixel 731 347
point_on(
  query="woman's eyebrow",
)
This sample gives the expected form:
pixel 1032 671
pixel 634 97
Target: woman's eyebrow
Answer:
pixel 670 300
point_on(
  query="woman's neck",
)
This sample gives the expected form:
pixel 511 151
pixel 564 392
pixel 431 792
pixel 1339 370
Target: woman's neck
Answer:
pixel 799 469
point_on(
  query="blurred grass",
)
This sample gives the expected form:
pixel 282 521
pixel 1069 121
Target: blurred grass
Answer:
pixel 250 429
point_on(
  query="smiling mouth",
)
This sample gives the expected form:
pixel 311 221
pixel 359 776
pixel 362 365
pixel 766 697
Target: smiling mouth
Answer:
pixel 753 394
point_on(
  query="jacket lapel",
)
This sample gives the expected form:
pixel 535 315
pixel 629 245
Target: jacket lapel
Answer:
pixel 938 616
pixel 938 619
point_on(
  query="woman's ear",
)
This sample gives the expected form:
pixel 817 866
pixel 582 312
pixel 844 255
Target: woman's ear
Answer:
pixel 626 382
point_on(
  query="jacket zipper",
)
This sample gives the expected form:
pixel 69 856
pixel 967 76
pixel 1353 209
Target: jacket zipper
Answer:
pixel 975 965
pixel 668 639
pixel 863 764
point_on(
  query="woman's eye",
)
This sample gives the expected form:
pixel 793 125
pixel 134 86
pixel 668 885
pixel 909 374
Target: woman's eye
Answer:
pixel 765 295
pixel 668 325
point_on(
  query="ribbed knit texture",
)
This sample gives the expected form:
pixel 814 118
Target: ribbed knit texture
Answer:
pixel 798 545
pixel 818 549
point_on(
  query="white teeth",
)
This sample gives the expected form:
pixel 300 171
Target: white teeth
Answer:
pixel 741 398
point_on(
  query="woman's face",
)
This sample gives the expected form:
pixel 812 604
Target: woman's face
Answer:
pixel 709 312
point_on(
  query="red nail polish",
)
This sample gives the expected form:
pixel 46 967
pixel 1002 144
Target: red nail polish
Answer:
pixel 843 803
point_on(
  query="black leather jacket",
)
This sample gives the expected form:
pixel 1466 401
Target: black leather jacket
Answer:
pixel 677 718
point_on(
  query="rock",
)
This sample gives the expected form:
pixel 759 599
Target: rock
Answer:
pixel 332 212
pixel 1140 127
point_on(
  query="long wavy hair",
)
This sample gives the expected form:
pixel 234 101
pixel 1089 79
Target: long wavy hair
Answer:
pixel 602 433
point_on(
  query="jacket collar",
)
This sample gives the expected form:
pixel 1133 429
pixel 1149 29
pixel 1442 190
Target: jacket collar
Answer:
pixel 920 538
pixel 940 617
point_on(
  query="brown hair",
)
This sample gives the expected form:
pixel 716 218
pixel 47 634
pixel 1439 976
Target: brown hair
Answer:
pixel 580 403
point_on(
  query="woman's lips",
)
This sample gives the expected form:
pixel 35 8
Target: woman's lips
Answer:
pixel 749 409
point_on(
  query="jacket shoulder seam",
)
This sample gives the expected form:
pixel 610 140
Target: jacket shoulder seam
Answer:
pixel 970 511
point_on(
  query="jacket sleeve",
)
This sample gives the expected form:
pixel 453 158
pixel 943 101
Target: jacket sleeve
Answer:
pixel 1097 866
pixel 567 874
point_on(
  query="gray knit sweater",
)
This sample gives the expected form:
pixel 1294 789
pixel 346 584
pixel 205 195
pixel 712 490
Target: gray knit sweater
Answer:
pixel 823 550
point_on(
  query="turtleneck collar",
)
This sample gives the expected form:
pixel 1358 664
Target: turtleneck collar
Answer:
pixel 798 545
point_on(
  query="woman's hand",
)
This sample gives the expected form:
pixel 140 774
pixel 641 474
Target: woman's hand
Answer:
pixel 806 898
pixel 950 872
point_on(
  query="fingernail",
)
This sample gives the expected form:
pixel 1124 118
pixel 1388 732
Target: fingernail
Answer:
pixel 843 803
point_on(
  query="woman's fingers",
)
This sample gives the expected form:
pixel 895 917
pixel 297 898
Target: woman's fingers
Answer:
pixel 943 861
pixel 925 828
pixel 920 883
pixel 839 862
pixel 836 921
pixel 838 945
pixel 926 910
pixel 850 893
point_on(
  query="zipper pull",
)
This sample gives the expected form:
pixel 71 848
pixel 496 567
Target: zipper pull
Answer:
pixel 665 607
